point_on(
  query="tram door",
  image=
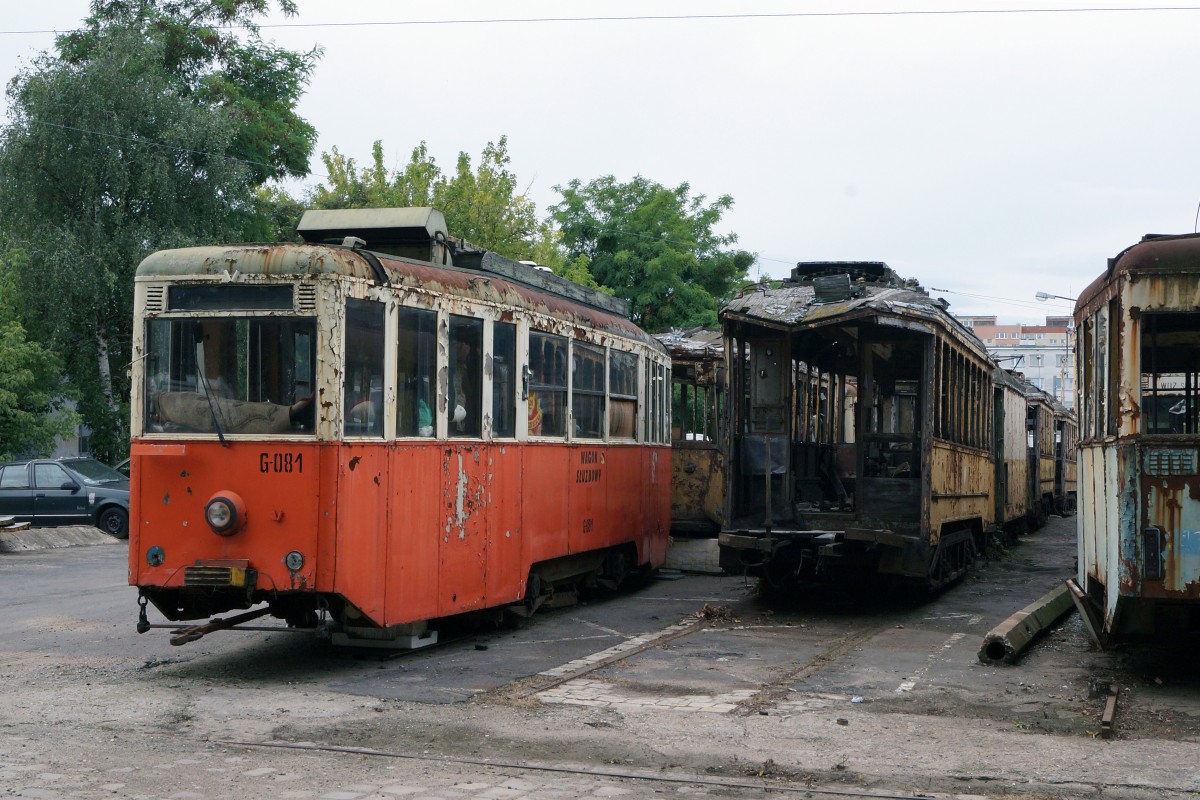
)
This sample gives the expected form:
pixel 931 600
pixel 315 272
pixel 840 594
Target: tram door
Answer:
pixel 891 382
pixel 763 444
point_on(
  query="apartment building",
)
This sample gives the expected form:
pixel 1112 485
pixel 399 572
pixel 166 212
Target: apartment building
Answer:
pixel 1045 354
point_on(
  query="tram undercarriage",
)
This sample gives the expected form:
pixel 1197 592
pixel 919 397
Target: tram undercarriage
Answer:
pixel 556 583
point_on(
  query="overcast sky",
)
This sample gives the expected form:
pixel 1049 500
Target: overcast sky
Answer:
pixel 994 155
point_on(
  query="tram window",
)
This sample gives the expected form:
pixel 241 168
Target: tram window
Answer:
pixel 1114 365
pixel 227 297
pixel 416 372
pixel 587 391
pixel 1087 388
pixel 504 371
pixel 466 376
pixel 657 421
pixel 363 395
pixel 245 375
pixel 664 422
pixel 1101 371
pixel 622 394
pixel 1170 372
pixel 548 385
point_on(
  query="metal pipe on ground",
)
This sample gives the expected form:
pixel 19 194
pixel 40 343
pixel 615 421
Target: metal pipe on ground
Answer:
pixel 1005 643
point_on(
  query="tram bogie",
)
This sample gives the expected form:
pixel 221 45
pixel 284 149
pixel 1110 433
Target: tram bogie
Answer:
pixel 382 438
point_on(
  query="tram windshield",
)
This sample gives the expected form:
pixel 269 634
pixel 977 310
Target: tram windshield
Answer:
pixel 230 376
pixel 1170 372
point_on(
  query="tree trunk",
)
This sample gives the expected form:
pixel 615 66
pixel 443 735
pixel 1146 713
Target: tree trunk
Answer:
pixel 105 371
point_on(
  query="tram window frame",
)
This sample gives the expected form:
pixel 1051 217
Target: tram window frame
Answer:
pixel 416 372
pixel 658 399
pixel 464 386
pixel 245 389
pixel 652 435
pixel 662 404
pixel 1100 371
pixel 547 401
pixel 622 394
pixel 1087 387
pixel 1160 416
pixel 504 380
pixel 363 380
pixel 696 406
pixel 588 374
pixel 1114 366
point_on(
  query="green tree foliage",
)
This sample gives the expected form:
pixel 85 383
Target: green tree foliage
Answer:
pixel 120 146
pixel 255 83
pixel 276 215
pixel 32 392
pixel 482 205
pixel 654 247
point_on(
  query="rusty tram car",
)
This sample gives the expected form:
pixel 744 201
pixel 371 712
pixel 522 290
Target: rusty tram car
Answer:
pixel 382 426
pixel 1139 435
pixel 860 430
pixel 1053 442
pixel 697 431
pixel 871 433
pixel 1066 461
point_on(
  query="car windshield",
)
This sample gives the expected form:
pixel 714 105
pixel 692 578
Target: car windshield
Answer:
pixel 93 471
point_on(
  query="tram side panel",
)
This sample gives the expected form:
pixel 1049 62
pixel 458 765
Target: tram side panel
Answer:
pixel 1012 465
pixel 644 481
pixel 362 492
pixel 587 480
pixel 506 562
pixel 414 579
pixel 961 483
pixel 463 529
pixel 546 501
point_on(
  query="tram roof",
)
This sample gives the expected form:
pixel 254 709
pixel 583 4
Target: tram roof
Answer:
pixel 827 298
pixel 1154 253
pixel 693 343
pixel 296 260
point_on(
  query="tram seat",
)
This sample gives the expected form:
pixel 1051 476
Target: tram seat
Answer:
pixel 194 411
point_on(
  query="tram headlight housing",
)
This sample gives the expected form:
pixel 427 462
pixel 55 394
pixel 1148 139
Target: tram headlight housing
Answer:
pixel 225 513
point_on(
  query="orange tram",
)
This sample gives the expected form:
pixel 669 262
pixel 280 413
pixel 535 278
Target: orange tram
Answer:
pixel 364 440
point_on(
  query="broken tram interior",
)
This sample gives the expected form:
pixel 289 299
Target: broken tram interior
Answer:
pixel 860 433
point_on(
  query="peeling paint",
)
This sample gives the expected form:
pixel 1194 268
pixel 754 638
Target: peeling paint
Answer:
pixel 461 512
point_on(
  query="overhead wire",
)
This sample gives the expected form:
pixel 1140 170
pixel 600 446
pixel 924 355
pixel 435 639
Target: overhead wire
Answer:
pixel 1039 304
pixel 617 18
pixel 690 17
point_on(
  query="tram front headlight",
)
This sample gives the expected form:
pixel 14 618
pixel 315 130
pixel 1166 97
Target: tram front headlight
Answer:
pixel 225 513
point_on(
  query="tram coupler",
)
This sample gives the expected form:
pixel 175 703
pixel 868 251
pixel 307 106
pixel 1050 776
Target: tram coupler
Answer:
pixel 194 632
pixel 143 623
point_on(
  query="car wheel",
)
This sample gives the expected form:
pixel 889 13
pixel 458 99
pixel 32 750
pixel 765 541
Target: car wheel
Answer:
pixel 114 522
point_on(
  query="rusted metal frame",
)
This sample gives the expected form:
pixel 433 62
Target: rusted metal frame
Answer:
pixel 866 384
pixel 191 633
pixel 735 359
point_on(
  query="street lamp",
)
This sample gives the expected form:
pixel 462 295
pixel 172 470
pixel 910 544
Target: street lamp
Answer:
pixel 1047 296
